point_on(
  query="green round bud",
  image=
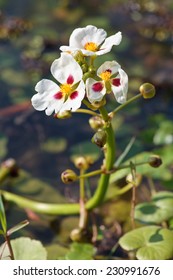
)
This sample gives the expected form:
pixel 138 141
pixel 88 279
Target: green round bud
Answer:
pixel 80 235
pixel 96 122
pixel 97 104
pixel 99 138
pixel 68 176
pixel 63 115
pixel 147 90
pixel 155 161
pixel 82 162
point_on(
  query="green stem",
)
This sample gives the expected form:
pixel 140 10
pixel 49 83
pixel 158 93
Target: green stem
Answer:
pixel 86 111
pixel 100 192
pixel 82 185
pixel 40 207
pixel 126 103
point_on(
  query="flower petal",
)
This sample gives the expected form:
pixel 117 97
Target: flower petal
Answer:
pixel 46 89
pixel 113 66
pixel 120 91
pixel 95 90
pixel 81 36
pixel 111 41
pixel 74 100
pixel 64 67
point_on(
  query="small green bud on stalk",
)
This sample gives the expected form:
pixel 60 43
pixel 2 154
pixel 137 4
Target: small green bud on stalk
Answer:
pixel 68 176
pixel 96 122
pixel 99 138
pixel 63 115
pixel 155 161
pixel 80 235
pixel 147 90
pixel 83 162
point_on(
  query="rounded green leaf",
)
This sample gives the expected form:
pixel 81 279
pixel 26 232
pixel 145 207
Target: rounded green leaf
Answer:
pixel 25 248
pixel 150 243
pixel 158 210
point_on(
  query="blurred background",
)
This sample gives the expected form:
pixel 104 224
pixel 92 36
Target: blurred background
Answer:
pixel 31 33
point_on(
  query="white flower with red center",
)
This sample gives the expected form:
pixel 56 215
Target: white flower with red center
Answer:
pixel 68 95
pixel 91 41
pixel 112 78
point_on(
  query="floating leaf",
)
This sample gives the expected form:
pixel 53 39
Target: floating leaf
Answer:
pixel 158 210
pixel 150 243
pixel 54 145
pixel 25 248
pixel 80 251
pixel 56 251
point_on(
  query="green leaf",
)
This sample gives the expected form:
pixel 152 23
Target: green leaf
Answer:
pixel 161 173
pixel 3 146
pixel 158 210
pixel 2 216
pixel 150 243
pixel 56 251
pixel 17 227
pixel 80 251
pixel 54 145
pixel 164 135
pixel 25 248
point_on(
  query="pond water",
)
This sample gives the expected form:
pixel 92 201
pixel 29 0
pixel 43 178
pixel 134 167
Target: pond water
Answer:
pixel 30 35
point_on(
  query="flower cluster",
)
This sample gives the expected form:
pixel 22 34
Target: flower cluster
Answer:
pixel 70 69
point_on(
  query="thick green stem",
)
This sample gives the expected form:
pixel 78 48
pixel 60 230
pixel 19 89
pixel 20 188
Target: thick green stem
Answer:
pixel 100 192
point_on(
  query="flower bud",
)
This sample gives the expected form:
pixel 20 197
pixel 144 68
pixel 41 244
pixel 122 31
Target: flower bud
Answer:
pixel 155 161
pixel 80 235
pixel 147 90
pixel 63 115
pixel 96 122
pixel 97 104
pixel 68 176
pixel 82 162
pixel 99 138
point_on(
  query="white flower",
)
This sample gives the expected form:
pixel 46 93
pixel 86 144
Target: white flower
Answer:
pixel 112 78
pixel 91 41
pixel 65 96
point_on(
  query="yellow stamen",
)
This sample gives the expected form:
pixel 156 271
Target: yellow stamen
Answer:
pixel 66 89
pixel 90 46
pixel 105 76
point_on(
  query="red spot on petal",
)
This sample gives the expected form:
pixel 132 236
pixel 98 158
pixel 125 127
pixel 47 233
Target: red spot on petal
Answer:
pixel 58 95
pixel 108 70
pixel 70 80
pixel 73 95
pixel 116 82
pixel 97 87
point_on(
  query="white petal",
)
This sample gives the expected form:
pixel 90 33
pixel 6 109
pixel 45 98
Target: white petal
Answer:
pixel 64 67
pixel 46 89
pixel 91 93
pixel 82 36
pixel 120 92
pixel 54 106
pixel 68 49
pixel 109 65
pixel 75 103
pixel 112 41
